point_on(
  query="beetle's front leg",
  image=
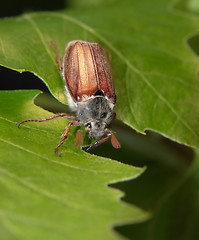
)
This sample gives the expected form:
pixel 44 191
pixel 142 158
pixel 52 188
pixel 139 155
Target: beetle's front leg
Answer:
pixel 65 134
pixel 115 143
pixel 98 142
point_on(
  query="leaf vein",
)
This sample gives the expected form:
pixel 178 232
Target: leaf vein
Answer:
pixel 47 194
pixel 53 161
pixel 35 26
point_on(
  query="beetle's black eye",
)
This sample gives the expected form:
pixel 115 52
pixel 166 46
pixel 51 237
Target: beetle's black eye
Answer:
pixel 88 125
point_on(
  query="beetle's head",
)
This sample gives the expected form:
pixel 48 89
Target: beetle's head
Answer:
pixel 96 128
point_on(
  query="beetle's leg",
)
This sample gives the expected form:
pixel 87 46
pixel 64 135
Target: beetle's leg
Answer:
pixel 48 118
pixel 58 59
pixel 111 135
pixel 98 142
pixel 65 134
pixel 79 138
pixel 115 143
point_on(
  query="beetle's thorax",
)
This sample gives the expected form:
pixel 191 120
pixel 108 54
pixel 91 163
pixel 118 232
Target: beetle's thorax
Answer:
pixel 96 111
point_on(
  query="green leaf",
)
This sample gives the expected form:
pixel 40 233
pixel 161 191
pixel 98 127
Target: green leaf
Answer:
pixel 154 70
pixel 190 6
pixel 43 196
pixel 168 188
pixel 176 212
pixel 46 197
